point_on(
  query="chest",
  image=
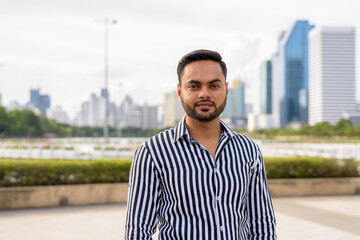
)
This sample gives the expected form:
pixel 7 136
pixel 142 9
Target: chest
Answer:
pixel 193 174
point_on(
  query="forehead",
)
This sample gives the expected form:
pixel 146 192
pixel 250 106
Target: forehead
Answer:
pixel 203 70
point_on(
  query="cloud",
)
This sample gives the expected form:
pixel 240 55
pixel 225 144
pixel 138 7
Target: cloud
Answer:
pixel 240 53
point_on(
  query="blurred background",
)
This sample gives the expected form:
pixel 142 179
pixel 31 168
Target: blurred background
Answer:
pixel 91 80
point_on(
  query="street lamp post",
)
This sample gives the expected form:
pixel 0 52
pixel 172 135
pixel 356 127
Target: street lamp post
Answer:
pixel 106 22
pixel 118 118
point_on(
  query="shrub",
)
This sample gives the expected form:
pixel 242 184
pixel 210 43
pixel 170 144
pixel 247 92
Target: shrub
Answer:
pixel 110 149
pixel 310 167
pixel 62 172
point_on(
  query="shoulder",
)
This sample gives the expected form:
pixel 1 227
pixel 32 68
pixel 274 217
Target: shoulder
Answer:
pixel 163 138
pixel 247 144
pixel 239 138
pixel 159 143
pixel 243 138
pixel 153 147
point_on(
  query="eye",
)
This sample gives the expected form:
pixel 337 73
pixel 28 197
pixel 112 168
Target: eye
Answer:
pixel 193 86
pixel 215 86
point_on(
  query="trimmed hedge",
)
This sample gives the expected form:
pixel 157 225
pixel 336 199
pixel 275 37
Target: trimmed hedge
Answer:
pixel 310 167
pixel 42 172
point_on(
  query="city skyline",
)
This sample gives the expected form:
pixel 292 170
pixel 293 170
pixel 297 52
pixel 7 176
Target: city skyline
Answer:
pixel 59 49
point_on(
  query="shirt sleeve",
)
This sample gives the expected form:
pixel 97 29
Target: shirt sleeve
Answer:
pixel 142 197
pixel 260 209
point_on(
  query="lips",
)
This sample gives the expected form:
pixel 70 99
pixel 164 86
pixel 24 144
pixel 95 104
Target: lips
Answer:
pixel 204 105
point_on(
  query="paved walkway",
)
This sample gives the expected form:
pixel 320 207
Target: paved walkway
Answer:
pixel 298 218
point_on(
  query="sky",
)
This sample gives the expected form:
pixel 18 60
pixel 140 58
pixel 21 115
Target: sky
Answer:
pixel 58 46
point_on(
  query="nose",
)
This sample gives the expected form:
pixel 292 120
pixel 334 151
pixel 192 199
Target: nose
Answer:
pixel 204 93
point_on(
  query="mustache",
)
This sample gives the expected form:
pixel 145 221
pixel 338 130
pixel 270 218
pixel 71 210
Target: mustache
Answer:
pixel 203 101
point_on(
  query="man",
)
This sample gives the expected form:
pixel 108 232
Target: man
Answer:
pixel 200 180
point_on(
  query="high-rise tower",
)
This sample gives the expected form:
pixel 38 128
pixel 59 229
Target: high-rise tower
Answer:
pixel 292 71
pixel 235 104
pixel 41 102
pixel 266 87
pixel 331 73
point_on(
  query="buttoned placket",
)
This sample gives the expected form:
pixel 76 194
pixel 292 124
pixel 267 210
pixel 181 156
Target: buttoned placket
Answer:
pixel 216 172
pixel 223 140
pixel 215 167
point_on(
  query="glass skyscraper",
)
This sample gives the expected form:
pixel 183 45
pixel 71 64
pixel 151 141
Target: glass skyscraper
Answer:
pixel 229 109
pixel 235 104
pixel 41 102
pixel 293 72
pixel 266 87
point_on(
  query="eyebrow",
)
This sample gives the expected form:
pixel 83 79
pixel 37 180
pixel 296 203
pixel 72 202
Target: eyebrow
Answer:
pixel 198 82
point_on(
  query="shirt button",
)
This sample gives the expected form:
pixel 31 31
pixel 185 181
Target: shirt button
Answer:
pixel 217 198
pixel 221 228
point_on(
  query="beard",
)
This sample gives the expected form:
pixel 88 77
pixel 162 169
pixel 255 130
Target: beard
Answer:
pixel 204 115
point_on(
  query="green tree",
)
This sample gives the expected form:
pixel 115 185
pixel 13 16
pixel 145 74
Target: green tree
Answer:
pixel 24 124
pixel 344 127
pixel 323 129
pixel 4 122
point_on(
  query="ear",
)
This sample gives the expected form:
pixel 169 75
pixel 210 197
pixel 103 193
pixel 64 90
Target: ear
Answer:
pixel 227 89
pixel 178 88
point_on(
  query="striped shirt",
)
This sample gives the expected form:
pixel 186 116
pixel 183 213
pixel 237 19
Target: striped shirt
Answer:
pixel 176 183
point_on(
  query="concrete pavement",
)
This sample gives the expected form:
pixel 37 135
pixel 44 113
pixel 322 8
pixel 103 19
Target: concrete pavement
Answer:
pixel 298 218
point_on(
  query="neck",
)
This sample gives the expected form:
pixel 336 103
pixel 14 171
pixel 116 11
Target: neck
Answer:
pixel 203 130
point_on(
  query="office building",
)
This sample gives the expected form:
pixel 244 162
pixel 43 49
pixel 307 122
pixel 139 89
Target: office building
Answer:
pixel 92 112
pixel 235 112
pixel 228 111
pixel 331 74
pixel 238 89
pixel 59 115
pixel 292 72
pixel 149 116
pixel 235 105
pixel 266 87
pixel 173 110
pixel 39 101
pixel 130 114
pixel 137 116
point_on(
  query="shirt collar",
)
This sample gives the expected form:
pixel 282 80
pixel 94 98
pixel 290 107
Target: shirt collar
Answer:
pixel 182 131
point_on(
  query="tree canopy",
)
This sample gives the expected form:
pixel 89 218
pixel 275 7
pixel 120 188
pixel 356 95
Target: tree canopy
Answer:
pixel 25 123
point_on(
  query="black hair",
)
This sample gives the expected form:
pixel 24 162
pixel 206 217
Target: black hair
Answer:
pixel 199 55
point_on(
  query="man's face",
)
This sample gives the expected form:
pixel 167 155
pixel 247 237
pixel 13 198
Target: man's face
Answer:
pixel 203 91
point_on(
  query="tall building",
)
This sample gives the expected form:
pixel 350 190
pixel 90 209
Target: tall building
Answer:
pixel 331 73
pixel 239 98
pixel 38 101
pixel 277 86
pixel 266 87
pixel 93 112
pixel 235 105
pixel 136 116
pixel 59 115
pixel 228 111
pixel 149 116
pixel 173 111
pixel 292 64
pixel 129 113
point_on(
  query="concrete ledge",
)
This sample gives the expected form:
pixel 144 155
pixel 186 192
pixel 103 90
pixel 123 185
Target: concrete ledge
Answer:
pixel 314 186
pixel 52 196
